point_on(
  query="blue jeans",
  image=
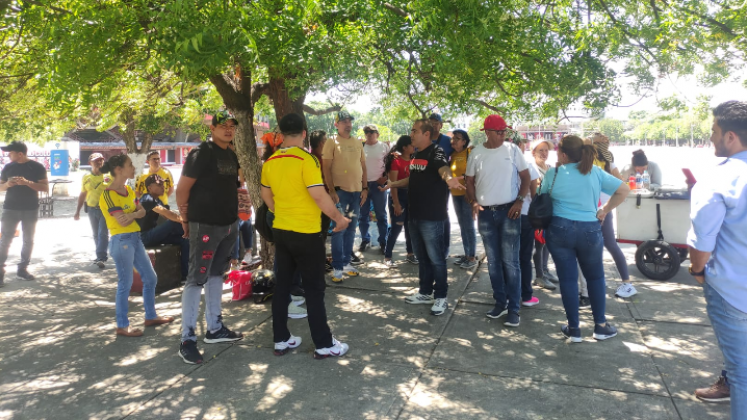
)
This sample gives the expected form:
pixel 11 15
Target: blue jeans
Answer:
pixel 245 234
pixel 397 224
pixel 573 244
pixel 501 238
pixel 378 198
pixel 428 241
pixel 100 232
pixel 169 233
pixel 128 252
pixel 342 242
pixel 526 249
pixel 730 326
pixel 463 211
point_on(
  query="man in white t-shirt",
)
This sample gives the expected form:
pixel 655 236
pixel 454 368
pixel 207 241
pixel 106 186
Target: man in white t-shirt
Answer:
pixel 497 181
pixel 375 152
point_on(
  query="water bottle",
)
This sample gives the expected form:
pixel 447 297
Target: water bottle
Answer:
pixel 638 182
pixel 646 180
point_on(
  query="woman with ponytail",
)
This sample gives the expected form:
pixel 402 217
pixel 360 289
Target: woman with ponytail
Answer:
pixel 397 166
pixel 574 236
pixel 120 209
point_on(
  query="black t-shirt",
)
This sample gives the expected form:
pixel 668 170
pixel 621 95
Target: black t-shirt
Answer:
pixel 150 220
pixel 428 194
pixel 22 197
pixel 213 199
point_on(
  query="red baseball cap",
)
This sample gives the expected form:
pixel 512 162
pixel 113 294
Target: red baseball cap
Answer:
pixel 494 122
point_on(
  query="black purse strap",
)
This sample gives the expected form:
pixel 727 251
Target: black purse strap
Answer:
pixel 549 192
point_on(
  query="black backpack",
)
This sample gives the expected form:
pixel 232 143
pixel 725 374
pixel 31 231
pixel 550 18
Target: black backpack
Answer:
pixel 261 225
pixel 540 210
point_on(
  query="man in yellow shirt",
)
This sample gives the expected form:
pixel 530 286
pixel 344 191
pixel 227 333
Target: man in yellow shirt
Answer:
pixel 293 190
pixel 93 185
pixel 154 162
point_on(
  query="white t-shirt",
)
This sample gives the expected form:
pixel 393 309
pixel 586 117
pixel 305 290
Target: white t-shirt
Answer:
pixel 604 198
pixel 496 173
pixel 375 160
pixel 533 174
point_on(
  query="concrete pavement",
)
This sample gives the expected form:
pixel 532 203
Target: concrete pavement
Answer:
pixel 59 358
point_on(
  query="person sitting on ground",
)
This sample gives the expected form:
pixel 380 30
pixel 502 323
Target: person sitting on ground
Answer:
pixel 120 208
pixel 640 163
pixel 155 168
pixel 462 206
pixel 397 168
pixel 575 232
pixel 169 232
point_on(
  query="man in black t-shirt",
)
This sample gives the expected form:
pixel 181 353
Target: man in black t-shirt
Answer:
pixel 169 232
pixel 209 206
pixel 428 196
pixel 22 179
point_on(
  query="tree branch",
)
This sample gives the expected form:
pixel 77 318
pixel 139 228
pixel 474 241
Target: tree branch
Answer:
pixel 228 93
pixel 309 110
pixel 628 35
pixel 56 9
pixel 487 105
pixel 396 10
pixel 259 89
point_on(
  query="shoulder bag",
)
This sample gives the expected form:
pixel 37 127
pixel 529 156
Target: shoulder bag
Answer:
pixel 540 210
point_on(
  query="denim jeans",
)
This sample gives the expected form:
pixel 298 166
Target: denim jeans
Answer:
pixel 526 246
pixel 245 235
pixel 8 225
pixel 397 224
pixel 730 326
pixel 428 244
pixel 610 243
pixel 573 244
pixel 169 233
pixel 501 238
pixel 541 258
pixel 378 198
pixel 100 232
pixel 463 211
pixel 128 252
pixel 342 242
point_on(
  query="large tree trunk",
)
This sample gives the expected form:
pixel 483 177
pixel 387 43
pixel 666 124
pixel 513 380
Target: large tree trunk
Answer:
pixel 136 155
pixel 281 99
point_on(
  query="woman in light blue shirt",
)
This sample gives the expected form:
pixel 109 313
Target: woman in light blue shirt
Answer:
pixel 575 233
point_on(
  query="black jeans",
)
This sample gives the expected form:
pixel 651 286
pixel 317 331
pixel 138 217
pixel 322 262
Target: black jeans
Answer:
pixel 8 226
pixel 526 246
pixel 303 252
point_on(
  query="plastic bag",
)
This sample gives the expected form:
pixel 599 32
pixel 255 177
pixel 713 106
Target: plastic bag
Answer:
pixel 242 284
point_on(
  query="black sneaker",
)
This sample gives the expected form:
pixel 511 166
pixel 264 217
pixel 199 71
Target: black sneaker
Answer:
pixel 512 320
pixel 364 245
pixel 497 312
pixel 412 259
pixel 355 260
pixel 382 248
pixel 189 353
pixel 297 291
pixel 584 302
pixel 603 332
pixel 574 334
pixel 22 273
pixel 100 263
pixel 223 335
pixel 328 267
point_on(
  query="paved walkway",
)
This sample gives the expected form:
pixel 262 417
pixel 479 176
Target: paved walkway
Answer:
pixel 59 358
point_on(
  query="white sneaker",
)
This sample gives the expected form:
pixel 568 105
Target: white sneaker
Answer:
pixel 337 350
pixel 296 312
pixel 282 347
pixel 297 300
pixel 390 264
pixel 419 299
pixel 351 271
pixel 439 307
pixel 337 276
pixel 626 290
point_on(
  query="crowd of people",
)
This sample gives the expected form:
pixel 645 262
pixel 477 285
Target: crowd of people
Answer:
pixel 337 183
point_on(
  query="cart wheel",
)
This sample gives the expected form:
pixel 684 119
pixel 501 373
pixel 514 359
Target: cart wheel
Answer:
pixel 683 253
pixel 657 260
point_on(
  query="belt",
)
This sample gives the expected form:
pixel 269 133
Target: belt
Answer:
pixel 499 207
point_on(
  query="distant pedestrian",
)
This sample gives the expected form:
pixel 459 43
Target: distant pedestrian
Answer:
pixel 376 152
pixel 22 179
pixel 718 246
pixel 498 180
pixel 399 169
pixel 93 185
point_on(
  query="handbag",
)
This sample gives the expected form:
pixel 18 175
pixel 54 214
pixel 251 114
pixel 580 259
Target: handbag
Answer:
pixel 540 210
pixel 241 283
pixel 260 224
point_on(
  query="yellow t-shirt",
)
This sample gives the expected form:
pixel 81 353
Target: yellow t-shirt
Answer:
pixel 346 155
pixel 112 203
pixel 289 173
pixel 168 182
pixel 458 168
pixel 94 185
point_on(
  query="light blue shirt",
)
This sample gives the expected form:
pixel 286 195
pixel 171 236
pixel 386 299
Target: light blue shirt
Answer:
pixel 576 196
pixel 718 210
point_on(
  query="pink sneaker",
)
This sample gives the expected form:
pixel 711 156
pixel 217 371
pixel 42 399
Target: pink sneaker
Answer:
pixel 531 302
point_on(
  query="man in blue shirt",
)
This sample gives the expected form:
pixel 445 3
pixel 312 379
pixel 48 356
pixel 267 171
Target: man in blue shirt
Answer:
pixel 442 140
pixel 718 245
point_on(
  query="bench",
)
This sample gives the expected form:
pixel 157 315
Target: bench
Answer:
pixel 166 260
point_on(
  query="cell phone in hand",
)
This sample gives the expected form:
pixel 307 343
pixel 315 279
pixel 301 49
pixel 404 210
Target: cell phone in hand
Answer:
pixel 689 176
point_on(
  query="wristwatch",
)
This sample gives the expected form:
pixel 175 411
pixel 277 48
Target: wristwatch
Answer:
pixel 365 188
pixel 519 197
pixel 694 274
